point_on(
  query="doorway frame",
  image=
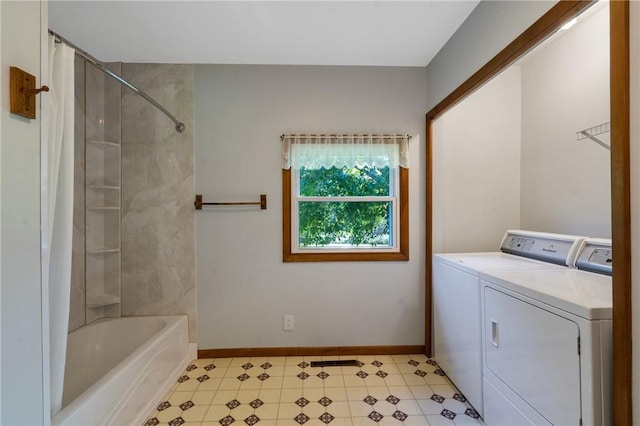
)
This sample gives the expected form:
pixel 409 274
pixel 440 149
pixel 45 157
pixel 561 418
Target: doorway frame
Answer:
pixel 619 77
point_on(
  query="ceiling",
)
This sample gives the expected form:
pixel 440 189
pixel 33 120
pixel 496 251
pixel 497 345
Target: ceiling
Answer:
pixel 377 33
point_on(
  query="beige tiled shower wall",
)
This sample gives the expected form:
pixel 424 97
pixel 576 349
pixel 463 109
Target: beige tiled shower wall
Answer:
pixel 158 235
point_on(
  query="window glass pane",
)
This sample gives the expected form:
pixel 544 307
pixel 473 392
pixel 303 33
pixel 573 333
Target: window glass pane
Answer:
pixel 345 224
pixel 344 182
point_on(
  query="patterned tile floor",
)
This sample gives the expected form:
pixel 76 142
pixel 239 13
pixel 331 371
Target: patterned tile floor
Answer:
pixel 286 391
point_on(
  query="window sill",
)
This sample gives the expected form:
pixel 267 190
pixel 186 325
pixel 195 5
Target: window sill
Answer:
pixel 344 257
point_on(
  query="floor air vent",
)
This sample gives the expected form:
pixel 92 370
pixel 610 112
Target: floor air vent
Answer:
pixel 335 363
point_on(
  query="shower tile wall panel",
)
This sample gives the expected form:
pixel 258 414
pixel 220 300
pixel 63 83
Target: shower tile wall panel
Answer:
pixel 97 118
pixel 158 235
pixel 102 163
pixel 78 304
pixel 103 105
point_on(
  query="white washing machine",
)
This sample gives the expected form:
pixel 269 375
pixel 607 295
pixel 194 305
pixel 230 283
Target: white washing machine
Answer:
pixel 457 321
pixel 547 343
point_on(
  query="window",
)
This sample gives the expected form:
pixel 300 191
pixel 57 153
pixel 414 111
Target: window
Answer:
pixel 345 197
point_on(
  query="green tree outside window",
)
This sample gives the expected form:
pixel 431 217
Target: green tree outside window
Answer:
pixel 345 223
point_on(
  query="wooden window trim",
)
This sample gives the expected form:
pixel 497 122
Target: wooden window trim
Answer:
pixel 401 255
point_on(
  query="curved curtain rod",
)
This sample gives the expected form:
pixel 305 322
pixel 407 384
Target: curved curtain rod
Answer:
pixel 180 127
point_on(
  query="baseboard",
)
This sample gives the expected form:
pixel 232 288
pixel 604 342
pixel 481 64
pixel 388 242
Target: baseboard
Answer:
pixel 311 351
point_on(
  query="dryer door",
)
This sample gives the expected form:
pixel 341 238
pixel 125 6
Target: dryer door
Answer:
pixel 535 353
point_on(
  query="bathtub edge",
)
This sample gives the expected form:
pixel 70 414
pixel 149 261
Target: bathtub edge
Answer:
pixel 148 411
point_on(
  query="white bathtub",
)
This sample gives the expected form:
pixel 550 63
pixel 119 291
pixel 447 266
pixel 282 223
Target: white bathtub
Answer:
pixel 119 368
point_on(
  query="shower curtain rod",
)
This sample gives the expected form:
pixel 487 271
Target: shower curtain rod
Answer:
pixel 180 127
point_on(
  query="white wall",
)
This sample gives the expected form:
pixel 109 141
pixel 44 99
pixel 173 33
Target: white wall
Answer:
pixel 489 28
pixel 565 88
pixel 243 287
pixel 476 168
pixel 21 321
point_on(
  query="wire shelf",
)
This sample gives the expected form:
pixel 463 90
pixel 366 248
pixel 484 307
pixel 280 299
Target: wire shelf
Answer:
pixel 594 131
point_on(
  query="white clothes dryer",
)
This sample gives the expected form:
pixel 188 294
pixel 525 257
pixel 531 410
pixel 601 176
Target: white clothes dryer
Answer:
pixel 457 322
pixel 547 343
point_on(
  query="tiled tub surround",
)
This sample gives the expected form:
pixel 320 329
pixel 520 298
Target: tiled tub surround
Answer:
pixel 155 261
pixel 287 391
pixel 158 223
pixel 95 273
pixel 118 367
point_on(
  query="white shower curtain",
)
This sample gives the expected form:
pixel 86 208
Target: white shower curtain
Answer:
pixel 60 207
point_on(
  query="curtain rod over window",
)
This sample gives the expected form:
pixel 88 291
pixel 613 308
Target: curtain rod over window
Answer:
pixel 180 127
pixel 342 136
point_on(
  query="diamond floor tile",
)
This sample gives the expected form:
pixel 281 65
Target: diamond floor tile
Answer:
pixel 408 390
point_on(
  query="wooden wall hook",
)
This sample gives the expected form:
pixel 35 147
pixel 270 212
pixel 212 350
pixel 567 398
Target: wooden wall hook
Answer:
pixel 22 89
pixel 32 92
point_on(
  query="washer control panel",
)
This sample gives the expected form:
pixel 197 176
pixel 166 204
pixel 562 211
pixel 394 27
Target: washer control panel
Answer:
pixel 596 255
pixel 553 248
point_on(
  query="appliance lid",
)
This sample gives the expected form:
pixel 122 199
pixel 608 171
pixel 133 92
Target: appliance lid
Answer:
pixel 490 261
pixel 581 293
pixel 560 249
pixel 595 255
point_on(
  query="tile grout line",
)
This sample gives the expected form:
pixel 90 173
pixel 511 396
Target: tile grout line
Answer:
pixel 376 360
pixel 325 397
pixel 326 413
pixel 229 416
pixel 305 363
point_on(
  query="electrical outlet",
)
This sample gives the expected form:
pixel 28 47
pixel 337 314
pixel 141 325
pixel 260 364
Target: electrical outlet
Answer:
pixel 287 323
